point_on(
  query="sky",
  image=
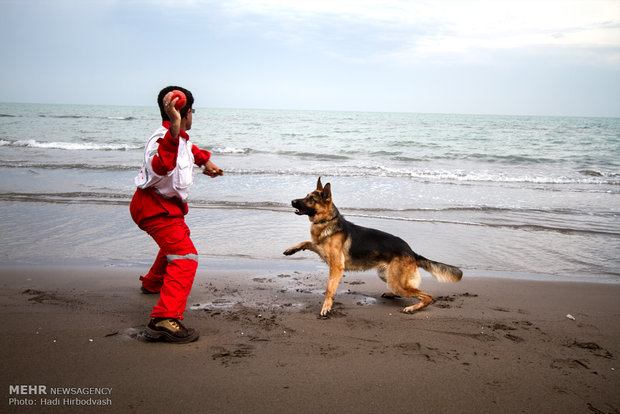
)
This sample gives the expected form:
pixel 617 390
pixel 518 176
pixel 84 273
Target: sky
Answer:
pixel 521 57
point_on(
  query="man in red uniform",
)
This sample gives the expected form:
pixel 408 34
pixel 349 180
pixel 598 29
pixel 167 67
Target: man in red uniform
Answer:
pixel 159 207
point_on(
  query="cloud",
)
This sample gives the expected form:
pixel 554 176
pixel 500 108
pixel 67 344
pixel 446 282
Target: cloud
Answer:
pixel 406 32
pixel 441 56
pixel 456 31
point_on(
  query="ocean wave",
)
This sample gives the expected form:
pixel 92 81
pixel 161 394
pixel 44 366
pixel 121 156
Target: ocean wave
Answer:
pixel 121 118
pixel 424 214
pixel 77 197
pixel 242 205
pixel 513 160
pixel 68 166
pixel 508 159
pixel 78 116
pixel 436 176
pixel 387 157
pixel 319 156
pixel 438 216
pixel 313 155
pixel 230 150
pixel 596 182
pixel 595 173
pixel 513 226
pixel 467 209
pixel 496 176
pixel 70 146
pixel 110 118
pixel 397 213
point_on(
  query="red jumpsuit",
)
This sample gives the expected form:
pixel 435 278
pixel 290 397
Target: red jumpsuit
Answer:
pixel 163 218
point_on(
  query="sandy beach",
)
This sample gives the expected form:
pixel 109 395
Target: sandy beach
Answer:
pixel 485 345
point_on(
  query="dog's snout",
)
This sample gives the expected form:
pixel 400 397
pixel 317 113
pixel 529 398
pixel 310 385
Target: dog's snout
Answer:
pixel 298 206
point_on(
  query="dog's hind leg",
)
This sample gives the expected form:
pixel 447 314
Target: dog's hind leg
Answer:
pixel 381 272
pixel 404 279
pixel 425 300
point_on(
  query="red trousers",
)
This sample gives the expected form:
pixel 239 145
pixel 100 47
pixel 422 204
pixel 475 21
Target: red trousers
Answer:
pixel 173 271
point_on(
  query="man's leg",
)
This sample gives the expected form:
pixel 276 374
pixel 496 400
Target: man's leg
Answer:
pixel 172 236
pixel 152 282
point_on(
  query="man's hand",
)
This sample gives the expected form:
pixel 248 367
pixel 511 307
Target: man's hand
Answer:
pixel 173 114
pixel 212 170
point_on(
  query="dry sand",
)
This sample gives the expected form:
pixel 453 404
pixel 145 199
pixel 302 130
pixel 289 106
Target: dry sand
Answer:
pixel 485 346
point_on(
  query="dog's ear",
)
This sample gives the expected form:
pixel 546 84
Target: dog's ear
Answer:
pixel 319 186
pixel 327 192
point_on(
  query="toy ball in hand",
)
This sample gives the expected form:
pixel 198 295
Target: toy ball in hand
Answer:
pixel 182 99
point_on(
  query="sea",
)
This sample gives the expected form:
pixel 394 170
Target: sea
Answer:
pixel 527 197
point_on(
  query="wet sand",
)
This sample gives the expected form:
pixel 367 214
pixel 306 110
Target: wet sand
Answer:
pixel 486 345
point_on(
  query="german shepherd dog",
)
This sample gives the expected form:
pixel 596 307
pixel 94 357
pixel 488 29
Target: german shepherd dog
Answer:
pixel 346 246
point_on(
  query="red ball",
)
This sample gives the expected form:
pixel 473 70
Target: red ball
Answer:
pixel 182 99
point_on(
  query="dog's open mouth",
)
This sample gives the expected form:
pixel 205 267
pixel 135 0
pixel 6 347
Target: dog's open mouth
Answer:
pixel 301 209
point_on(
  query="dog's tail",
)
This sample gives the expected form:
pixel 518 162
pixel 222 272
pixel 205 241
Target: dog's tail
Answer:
pixel 440 271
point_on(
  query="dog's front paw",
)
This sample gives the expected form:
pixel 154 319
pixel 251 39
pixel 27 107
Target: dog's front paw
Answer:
pixel 327 307
pixel 290 251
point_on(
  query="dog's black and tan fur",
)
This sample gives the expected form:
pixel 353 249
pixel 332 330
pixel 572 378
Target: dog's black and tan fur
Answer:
pixel 346 246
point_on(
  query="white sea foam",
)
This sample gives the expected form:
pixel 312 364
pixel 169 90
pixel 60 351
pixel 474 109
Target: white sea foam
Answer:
pixel 229 150
pixel 31 143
